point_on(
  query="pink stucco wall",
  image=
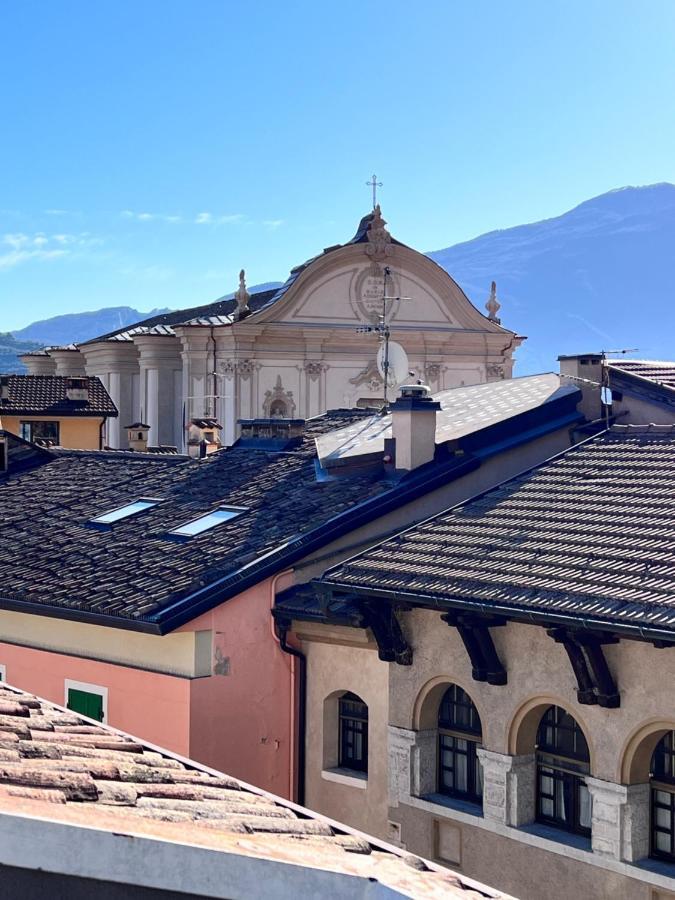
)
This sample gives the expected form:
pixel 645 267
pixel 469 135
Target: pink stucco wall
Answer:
pixel 238 720
pixel 154 707
pixel 242 722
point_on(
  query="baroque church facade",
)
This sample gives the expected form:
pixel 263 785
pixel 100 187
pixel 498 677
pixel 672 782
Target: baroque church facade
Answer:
pixel 295 351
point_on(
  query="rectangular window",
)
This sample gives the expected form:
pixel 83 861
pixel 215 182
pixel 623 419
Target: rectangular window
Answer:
pixel 40 431
pixel 353 734
pixel 87 699
pixel 122 512
pixel 210 520
pixel 663 824
pixel 3 673
pixel 564 800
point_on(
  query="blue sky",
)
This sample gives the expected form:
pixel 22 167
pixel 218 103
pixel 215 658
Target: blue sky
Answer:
pixel 150 149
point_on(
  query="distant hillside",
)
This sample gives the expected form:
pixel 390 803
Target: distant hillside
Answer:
pixel 73 328
pixel 597 277
pixel 10 348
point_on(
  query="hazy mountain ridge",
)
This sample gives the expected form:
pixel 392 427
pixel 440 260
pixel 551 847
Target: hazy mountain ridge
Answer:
pixel 73 328
pixel 595 278
pixel 10 349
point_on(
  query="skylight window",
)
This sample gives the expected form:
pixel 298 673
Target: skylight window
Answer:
pixel 210 520
pixel 123 512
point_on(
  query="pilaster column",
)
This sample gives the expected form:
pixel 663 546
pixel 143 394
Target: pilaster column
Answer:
pixel 412 763
pixel 620 825
pixel 159 361
pixel 508 787
pixel 400 742
pixel 116 364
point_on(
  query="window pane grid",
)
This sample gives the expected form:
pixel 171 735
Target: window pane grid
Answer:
pixel 563 799
pixel 353 726
pixel 662 777
pixel 459 735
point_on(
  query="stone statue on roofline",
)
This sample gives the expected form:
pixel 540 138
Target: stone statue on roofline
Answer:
pixel 493 305
pixel 242 297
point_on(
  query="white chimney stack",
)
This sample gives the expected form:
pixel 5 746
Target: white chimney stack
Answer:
pixel 413 426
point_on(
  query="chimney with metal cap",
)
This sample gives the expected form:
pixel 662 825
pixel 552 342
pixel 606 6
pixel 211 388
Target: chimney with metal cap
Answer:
pixel 413 426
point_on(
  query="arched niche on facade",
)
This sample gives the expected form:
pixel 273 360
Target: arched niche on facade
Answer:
pixel 522 730
pixel 428 702
pixel 636 754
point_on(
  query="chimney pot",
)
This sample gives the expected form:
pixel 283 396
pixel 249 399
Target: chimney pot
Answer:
pixel 77 389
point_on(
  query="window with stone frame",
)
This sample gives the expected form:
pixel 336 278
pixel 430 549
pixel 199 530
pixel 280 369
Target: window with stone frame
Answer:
pixel 563 759
pixel 353 733
pixel 459 736
pixel 662 782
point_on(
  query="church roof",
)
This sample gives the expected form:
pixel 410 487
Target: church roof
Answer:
pixel 216 313
pixel 586 536
pixel 104 787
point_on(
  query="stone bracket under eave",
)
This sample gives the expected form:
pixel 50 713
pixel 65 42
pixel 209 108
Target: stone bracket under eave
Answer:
pixel 595 683
pixel 382 620
pixel 475 634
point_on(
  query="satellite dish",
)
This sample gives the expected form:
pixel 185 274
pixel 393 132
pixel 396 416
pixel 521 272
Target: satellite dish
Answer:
pixel 398 364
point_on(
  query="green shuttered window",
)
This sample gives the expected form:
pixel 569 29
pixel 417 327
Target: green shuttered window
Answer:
pixel 86 703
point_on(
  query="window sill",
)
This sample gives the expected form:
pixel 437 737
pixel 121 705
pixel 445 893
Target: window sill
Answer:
pixel 456 803
pixel 348 777
pixel 568 838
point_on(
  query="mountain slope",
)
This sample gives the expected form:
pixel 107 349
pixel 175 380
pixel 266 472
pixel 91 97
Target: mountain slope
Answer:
pixel 74 327
pixel 10 348
pixel 595 278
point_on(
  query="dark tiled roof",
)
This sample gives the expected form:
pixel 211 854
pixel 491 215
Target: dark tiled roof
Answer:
pixel 589 534
pixel 658 371
pixel 134 570
pixel 60 766
pixel 34 395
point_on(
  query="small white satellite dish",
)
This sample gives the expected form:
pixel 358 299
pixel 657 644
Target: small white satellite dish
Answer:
pixel 399 368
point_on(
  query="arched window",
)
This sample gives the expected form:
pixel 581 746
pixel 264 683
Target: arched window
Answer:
pixel 459 735
pixel 563 800
pixel 662 778
pixel 353 733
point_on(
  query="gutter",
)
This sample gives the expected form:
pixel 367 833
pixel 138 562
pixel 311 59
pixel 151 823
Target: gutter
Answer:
pixel 531 617
pixel 410 488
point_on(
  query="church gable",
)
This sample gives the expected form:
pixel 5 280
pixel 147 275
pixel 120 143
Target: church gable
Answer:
pixel 345 286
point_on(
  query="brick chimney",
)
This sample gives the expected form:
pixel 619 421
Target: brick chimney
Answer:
pixel 413 426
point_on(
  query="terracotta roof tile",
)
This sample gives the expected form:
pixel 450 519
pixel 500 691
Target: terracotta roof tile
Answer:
pixel 184 802
pixel 34 395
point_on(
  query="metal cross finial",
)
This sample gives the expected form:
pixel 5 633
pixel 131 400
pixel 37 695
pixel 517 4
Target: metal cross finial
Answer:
pixel 374 184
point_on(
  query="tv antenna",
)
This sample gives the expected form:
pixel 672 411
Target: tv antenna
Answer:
pixel 392 360
pixel 604 383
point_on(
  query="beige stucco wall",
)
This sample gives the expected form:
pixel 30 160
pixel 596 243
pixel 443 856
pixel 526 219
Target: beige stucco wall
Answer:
pixel 539 674
pixel 330 673
pixel 75 433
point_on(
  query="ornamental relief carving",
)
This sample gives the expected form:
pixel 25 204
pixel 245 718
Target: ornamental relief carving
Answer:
pixel 432 372
pixel 368 376
pixel 379 244
pixel 314 369
pixel 278 403
pixel 495 371
pixel 368 291
pixel 243 367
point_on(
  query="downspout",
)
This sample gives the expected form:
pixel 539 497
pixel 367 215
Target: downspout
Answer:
pixel 280 635
pixel 100 433
pixel 302 711
pixel 214 377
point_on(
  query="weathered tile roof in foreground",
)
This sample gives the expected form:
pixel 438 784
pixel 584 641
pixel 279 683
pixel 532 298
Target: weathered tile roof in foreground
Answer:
pixel 589 534
pixel 46 395
pixel 57 767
